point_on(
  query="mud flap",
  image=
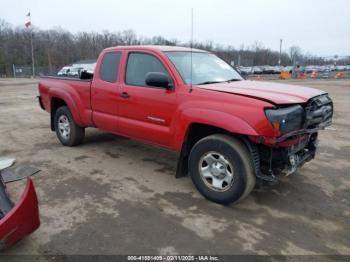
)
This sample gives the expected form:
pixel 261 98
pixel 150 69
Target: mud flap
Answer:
pixel 182 166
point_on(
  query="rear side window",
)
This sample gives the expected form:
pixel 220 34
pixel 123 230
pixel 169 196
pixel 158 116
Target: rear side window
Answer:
pixel 109 67
pixel 139 65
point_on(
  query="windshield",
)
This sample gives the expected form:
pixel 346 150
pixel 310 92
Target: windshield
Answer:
pixel 206 68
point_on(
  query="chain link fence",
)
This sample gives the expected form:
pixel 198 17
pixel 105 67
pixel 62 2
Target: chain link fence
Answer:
pixel 25 71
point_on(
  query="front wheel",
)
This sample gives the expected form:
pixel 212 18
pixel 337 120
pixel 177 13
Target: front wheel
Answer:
pixel 67 131
pixel 221 168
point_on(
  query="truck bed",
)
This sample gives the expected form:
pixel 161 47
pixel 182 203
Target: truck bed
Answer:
pixel 72 89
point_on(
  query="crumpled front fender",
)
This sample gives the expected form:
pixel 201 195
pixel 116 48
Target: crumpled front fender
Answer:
pixel 22 219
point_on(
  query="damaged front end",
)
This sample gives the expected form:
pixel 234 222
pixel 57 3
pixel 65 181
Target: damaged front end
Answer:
pixel 297 127
pixel 17 220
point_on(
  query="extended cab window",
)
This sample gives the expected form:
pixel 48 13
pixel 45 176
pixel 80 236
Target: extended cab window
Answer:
pixel 109 67
pixel 139 65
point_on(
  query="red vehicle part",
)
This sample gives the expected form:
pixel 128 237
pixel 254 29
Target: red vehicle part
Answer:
pixel 22 219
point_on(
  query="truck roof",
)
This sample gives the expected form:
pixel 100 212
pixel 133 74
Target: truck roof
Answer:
pixel 163 48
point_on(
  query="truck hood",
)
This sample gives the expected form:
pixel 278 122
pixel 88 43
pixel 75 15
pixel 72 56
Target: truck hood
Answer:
pixel 275 93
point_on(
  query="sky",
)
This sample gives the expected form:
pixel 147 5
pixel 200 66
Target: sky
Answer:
pixel 319 27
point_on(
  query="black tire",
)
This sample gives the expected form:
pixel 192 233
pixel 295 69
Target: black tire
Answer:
pixel 236 154
pixel 76 133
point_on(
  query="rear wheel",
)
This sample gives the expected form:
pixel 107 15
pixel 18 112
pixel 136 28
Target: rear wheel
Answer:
pixel 67 131
pixel 221 168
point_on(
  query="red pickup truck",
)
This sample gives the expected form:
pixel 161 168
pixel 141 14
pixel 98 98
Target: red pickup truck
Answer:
pixel 229 132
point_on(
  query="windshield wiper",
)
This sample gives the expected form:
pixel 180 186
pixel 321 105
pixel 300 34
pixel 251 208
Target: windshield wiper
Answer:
pixel 210 82
pixel 216 82
pixel 233 80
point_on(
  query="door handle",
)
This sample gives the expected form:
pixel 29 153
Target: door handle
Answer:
pixel 124 95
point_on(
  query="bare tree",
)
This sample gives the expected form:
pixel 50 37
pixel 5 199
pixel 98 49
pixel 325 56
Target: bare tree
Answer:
pixel 58 47
pixel 295 53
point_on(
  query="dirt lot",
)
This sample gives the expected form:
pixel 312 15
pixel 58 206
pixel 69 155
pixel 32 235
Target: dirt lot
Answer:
pixel 116 196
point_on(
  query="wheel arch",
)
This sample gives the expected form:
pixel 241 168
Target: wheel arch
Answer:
pixel 208 117
pixel 57 102
pixel 195 132
pixel 194 120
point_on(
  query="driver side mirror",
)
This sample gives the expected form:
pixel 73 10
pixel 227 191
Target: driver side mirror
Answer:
pixel 85 75
pixel 158 79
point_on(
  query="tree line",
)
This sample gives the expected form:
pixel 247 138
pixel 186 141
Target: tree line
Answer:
pixel 58 47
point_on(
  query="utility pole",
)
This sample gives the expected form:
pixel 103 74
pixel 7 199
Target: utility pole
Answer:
pixel 280 56
pixel 28 24
pixel 31 43
pixel 14 70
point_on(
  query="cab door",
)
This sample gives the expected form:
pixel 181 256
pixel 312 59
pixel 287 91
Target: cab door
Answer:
pixel 146 112
pixel 105 90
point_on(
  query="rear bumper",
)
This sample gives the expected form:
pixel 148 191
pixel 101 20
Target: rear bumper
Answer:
pixel 19 220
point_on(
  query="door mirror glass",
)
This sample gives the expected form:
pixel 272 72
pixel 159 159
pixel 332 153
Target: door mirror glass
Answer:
pixel 158 79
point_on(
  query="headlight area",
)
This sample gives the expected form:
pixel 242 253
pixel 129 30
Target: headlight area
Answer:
pixel 287 119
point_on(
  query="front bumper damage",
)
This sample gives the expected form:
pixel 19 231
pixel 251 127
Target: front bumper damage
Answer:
pixel 286 160
pixel 17 220
pixel 285 154
pixel 270 162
